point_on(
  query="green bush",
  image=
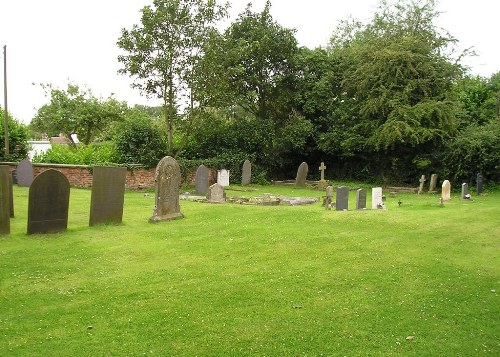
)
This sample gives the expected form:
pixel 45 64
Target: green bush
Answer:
pixel 94 154
pixel 18 139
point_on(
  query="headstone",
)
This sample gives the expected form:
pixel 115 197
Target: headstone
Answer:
pixel 433 183
pixel 223 177
pixel 421 187
pixel 108 189
pixel 167 183
pixel 5 190
pixel 446 190
pixel 322 182
pixel 11 198
pixel 479 183
pixel 328 197
pixel 48 203
pixel 14 177
pixel 246 173
pixel 377 197
pixel 201 180
pixel 361 199
pixel 301 178
pixel 342 199
pixel 216 194
pixel 24 173
pixel 465 191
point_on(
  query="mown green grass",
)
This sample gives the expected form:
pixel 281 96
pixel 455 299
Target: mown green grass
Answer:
pixel 235 280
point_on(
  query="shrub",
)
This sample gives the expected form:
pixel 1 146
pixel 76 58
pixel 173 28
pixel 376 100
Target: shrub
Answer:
pixel 94 154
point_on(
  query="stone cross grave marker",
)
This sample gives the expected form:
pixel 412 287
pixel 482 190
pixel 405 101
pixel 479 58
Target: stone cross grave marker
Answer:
pixel 479 183
pixel 433 183
pixel 465 190
pixel 5 189
pixel 342 199
pixel 201 180
pixel 216 194
pixel 446 190
pixel 300 179
pixel 377 201
pixel 246 173
pixel 24 173
pixel 108 190
pixel 360 199
pixel 223 177
pixel 421 187
pixel 48 203
pixel 322 182
pixel 167 183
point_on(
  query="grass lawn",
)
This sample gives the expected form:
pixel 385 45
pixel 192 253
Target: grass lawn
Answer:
pixel 237 280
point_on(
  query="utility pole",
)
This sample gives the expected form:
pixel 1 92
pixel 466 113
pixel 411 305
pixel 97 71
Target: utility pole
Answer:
pixel 6 113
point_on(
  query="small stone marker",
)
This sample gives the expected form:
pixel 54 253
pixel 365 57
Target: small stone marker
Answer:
pixel 421 187
pixel 465 191
pixel 377 202
pixel 342 199
pixel 216 194
pixel 479 183
pixel 24 173
pixel 223 177
pixel 201 180
pixel 48 203
pixel 108 189
pixel 301 177
pixel 5 193
pixel 433 183
pixel 446 190
pixel 167 183
pixel 361 199
pixel 246 173
pixel 322 182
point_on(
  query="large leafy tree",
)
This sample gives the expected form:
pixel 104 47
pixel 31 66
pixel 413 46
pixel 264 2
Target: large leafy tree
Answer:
pixel 18 136
pixel 162 53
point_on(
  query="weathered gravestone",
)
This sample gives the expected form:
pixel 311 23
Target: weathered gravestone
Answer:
pixel 300 179
pixel 479 183
pixel 342 199
pixel 223 177
pixel 422 182
pixel 377 201
pixel 48 203
pixel 329 196
pixel 446 190
pixel 322 182
pixel 216 194
pixel 246 173
pixel 11 198
pixel 201 180
pixel 433 183
pixel 361 199
pixel 167 183
pixel 108 189
pixel 24 173
pixel 5 194
pixel 465 191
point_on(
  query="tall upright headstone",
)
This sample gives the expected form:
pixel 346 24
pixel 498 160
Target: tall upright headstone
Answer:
pixel 201 180
pixel 446 190
pixel 300 179
pixel 342 199
pixel 167 183
pixel 422 182
pixel 223 177
pixel 465 190
pixel 329 195
pixel 361 198
pixel 11 198
pixel 108 190
pixel 246 173
pixel 48 203
pixel 216 194
pixel 4 200
pixel 479 183
pixel 377 201
pixel 24 173
pixel 433 183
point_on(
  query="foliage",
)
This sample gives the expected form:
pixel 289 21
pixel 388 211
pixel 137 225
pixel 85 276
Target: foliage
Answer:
pixel 92 154
pixel 18 139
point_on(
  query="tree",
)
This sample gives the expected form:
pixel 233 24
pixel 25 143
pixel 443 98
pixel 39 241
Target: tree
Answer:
pixel 162 52
pixel 18 139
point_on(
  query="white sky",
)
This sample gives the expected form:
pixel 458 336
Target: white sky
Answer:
pixel 57 41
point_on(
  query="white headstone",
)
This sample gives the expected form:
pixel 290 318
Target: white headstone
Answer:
pixel 376 197
pixel 223 177
pixel 446 190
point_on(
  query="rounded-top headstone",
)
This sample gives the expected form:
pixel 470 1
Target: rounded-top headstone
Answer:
pixel 246 173
pixel 24 173
pixel 201 180
pixel 302 171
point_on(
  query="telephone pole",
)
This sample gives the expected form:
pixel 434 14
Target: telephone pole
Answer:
pixel 6 113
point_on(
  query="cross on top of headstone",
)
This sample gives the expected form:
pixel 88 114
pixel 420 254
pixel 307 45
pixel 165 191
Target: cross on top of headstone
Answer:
pixel 322 168
pixel 422 179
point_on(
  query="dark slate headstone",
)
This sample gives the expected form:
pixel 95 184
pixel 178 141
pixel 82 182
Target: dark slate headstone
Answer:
pixel 465 190
pixel 48 203
pixel 11 198
pixel 201 180
pixel 167 183
pixel 14 177
pixel 301 178
pixel 24 173
pixel 361 199
pixel 108 190
pixel 342 199
pixel 5 190
pixel 479 183
pixel 246 173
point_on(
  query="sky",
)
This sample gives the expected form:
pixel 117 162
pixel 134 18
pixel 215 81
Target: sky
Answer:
pixel 62 41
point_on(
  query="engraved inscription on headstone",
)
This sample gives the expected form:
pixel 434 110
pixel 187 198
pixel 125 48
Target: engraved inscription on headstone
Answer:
pixel 246 173
pixel 108 189
pixel 360 199
pixel 422 182
pixel 479 183
pixel 216 194
pixel 5 194
pixel 201 180
pixel 433 183
pixel 167 183
pixel 48 203
pixel 24 173
pixel 301 177
pixel 465 191
pixel 446 190
pixel 377 201
pixel 223 177
pixel 342 199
